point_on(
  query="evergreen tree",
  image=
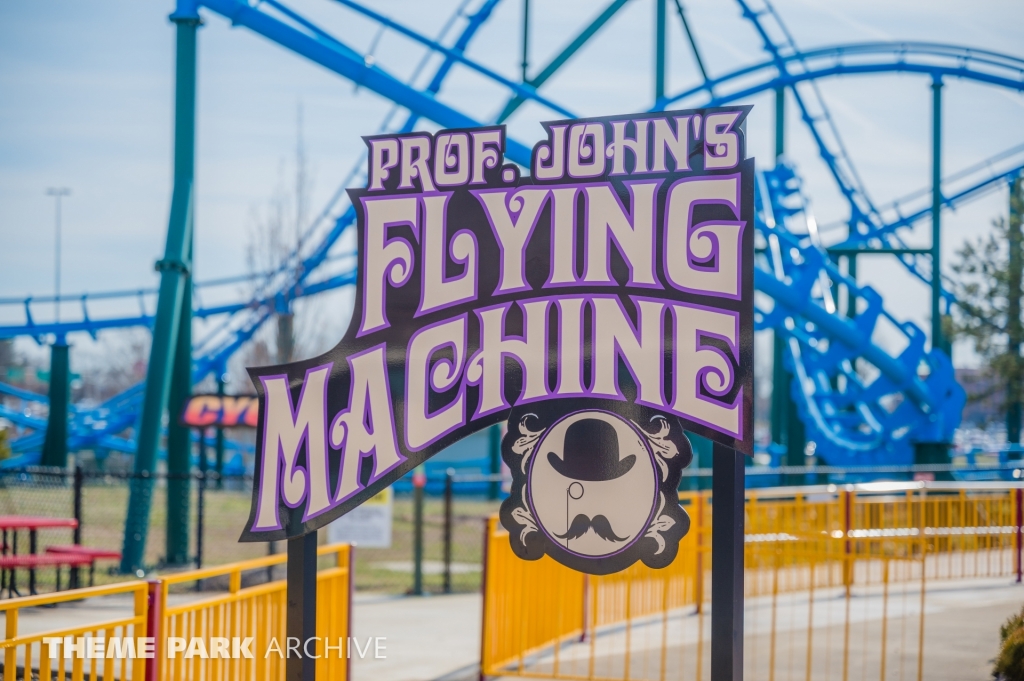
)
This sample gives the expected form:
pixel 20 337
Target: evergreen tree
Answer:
pixel 988 289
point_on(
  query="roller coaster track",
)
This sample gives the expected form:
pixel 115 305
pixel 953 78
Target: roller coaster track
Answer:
pixel 862 403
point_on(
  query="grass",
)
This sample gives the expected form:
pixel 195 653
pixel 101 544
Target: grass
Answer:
pixel 226 511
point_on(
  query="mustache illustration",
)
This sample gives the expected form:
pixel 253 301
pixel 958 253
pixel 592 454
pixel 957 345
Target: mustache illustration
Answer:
pixel 599 524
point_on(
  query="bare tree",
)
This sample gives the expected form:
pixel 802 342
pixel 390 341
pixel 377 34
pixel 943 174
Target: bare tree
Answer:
pixel 276 241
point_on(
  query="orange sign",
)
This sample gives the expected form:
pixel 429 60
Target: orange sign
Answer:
pixel 227 411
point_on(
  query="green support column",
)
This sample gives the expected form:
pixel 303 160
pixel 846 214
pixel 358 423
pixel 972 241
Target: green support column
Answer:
pixel 179 438
pixel 936 452
pixel 55 446
pixel 219 442
pixel 703 457
pixel 851 272
pixel 660 44
pixel 173 270
pixel 938 339
pixel 787 429
pixel 526 39
pixel 1014 328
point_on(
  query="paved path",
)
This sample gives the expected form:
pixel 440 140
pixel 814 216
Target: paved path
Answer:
pixel 427 638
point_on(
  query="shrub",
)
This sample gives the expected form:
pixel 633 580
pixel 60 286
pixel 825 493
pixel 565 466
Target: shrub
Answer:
pixel 1009 664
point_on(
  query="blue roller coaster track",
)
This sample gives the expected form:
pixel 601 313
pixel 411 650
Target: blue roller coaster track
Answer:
pixel 860 402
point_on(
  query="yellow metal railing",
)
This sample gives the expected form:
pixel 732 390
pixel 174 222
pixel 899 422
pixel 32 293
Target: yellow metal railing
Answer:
pixel 804 555
pixel 29 656
pixel 257 612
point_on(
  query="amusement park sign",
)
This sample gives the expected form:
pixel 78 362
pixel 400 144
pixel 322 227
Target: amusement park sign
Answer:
pixel 601 306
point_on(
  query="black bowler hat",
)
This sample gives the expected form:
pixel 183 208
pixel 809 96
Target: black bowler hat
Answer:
pixel 591 452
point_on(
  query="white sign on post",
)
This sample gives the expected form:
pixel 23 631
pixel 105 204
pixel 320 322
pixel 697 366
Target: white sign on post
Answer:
pixel 367 526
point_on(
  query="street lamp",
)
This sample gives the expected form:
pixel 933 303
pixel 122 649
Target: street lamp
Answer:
pixel 57 193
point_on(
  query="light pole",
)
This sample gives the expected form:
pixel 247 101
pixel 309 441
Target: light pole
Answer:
pixel 57 193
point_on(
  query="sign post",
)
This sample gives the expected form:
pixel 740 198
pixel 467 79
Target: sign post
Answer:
pixel 728 475
pixel 602 306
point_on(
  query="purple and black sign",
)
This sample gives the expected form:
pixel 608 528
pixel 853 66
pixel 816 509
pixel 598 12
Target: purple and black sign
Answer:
pixel 601 305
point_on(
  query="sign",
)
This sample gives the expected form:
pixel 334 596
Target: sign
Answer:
pixel 601 305
pixel 224 411
pixel 368 526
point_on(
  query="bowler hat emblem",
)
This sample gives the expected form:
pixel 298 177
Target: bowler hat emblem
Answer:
pixel 591 452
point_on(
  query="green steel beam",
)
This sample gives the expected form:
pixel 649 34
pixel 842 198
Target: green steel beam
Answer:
pixel 526 39
pixel 780 378
pixel 179 441
pixel 851 272
pixel 938 341
pixel 787 428
pixel 173 270
pixel 660 45
pixel 564 56
pixel 55 446
pixel 936 452
pixel 693 44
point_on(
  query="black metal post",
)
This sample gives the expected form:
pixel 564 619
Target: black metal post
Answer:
pixel 79 479
pixel 449 481
pixel 301 617
pixel 727 564
pixel 419 480
pixel 219 443
pixel 76 535
pixel 33 546
pixel 200 512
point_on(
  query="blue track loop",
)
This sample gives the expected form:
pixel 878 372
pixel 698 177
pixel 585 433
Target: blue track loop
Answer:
pixel 862 403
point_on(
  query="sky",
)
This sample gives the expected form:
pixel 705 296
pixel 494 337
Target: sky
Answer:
pixel 86 101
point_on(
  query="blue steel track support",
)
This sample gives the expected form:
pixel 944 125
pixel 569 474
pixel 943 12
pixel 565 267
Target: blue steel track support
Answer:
pixel 55 446
pixel 174 269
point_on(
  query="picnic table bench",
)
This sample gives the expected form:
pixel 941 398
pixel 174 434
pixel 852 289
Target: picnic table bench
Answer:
pixel 31 561
pixel 14 523
pixel 88 552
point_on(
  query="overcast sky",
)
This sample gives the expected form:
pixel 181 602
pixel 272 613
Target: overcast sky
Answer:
pixel 86 102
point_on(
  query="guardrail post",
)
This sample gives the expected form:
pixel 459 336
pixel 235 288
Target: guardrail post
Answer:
pixel 449 481
pixel 153 621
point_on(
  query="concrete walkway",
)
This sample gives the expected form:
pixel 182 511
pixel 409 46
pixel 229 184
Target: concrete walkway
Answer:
pixel 429 637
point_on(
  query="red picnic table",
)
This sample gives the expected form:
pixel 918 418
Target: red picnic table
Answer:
pixel 33 524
